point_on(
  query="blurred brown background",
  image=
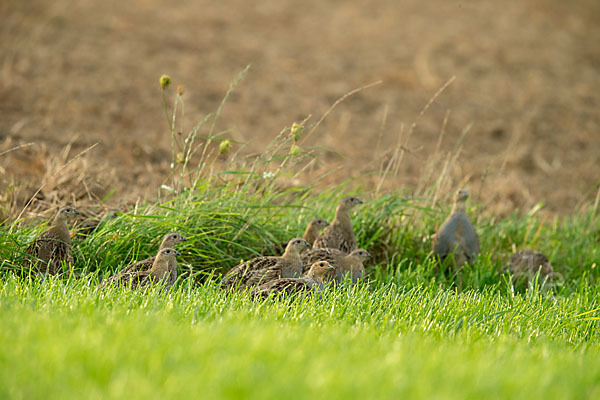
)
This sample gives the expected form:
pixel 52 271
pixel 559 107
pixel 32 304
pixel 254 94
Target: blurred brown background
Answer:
pixel 527 83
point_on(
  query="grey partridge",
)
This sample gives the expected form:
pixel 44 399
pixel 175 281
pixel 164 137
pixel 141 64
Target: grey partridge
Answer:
pixel 291 286
pixel 263 269
pixel 457 235
pixel 340 234
pixel 52 249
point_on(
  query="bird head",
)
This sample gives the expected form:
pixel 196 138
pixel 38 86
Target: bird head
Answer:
pixel 362 254
pixel 320 268
pixel 461 195
pixel 319 223
pixel 350 201
pixel 172 239
pixel 67 212
pixel 297 245
pixel 168 253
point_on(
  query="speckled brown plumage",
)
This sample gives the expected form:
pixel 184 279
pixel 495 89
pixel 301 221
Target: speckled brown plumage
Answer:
pixel 263 269
pixel 51 249
pixel 525 265
pixel 340 234
pixel 163 270
pixel 291 286
pixel 170 240
pixel 457 235
pixel 345 264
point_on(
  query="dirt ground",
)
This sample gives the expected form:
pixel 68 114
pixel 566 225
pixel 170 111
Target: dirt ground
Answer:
pixel 524 90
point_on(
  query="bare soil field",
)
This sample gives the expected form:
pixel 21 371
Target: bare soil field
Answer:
pixel 511 88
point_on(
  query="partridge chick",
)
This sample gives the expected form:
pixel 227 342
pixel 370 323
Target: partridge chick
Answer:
pixel 311 232
pixel 344 264
pixel 263 269
pixel 164 269
pixel 457 235
pixel 525 265
pixel 292 286
pixel 170 240
pixel 53 248
pixel 339 234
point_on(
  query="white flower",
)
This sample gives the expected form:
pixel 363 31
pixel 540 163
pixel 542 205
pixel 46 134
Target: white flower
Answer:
pixel 268 175
pixel 167 188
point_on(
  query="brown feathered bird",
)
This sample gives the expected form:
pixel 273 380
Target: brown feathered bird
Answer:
pixel 52 248
pixel 263 269
pixel 313 229
pixel 340 234
pixel 163 270
pixel 526 264
pixel 292 286
pixel 170 240
pixel 344 264
pixel 457 235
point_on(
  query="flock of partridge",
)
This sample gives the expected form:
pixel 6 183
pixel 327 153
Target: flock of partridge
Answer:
pixel 326 253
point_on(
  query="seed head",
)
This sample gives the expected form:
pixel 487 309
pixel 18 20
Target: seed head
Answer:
pixel 180 158
pixel 295 150
pixel 296 130
pixel 165 81
pixel 225 146
pixel 180 90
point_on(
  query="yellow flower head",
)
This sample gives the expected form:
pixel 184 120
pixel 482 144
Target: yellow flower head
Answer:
pixel 296 130
pixel 295 150
pixel 165 81
pixel 225 146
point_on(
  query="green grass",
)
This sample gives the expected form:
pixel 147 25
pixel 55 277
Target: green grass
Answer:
pixel 423 342
pixel 407 333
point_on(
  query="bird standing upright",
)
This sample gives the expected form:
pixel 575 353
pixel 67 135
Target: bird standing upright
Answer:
pixel 313 229
pixel 457 235
pixel 52 248
pixel 340 234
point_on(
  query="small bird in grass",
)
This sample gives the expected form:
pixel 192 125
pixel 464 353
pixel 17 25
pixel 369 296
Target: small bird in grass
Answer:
pixel 344 264
pixel 290 286
pixel 339 234
pixel 163 270
pixel 313 229
pixel 170 240
pixel 311 232
pixel 263 269
pixel 457 236
pixel 53 248
pixel 526 264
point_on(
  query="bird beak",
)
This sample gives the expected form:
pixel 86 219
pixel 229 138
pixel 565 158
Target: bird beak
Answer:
pixel 369 254
pixel 177 253
pixel 331 267
pixel 184 238
pixel 75 212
